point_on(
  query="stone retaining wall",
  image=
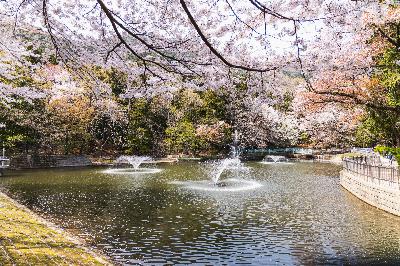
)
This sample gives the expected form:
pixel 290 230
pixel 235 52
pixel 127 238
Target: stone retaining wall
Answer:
pixel 382 194
pixel 48 161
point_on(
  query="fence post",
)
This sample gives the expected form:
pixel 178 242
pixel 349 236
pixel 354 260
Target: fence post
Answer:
pixel 370 172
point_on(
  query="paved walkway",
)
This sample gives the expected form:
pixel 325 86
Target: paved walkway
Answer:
pixel 26 239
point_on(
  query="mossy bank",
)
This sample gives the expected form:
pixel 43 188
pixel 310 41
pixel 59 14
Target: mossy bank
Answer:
pixel 27 239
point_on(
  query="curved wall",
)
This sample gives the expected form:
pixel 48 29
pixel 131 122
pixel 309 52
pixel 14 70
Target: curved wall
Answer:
pixel 382 194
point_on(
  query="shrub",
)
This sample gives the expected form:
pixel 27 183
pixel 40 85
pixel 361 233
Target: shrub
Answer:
pixel 385 150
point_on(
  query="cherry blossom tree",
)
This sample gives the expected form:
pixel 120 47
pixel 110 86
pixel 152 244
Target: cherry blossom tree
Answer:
pixel 350 78
pixel 161 46
pixel 202 44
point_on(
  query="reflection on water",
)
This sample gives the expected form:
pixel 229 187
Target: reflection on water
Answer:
pixel 298 215
pixel 226 185
pixel 131 171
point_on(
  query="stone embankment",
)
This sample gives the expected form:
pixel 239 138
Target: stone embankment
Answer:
pixel 57 161
pixel 49 161
pixel 27 239
pixel 376 185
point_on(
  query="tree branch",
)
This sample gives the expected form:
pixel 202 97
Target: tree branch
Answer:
pixel 122 40
pixel 213 50
pixel 112 50
pixel 388 38
pixel 49 28
pixel 340 97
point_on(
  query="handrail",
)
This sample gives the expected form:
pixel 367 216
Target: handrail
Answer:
pixel 367 167
pixel 4 162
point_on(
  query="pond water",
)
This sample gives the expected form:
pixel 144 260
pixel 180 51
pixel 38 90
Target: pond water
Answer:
pixel 292 214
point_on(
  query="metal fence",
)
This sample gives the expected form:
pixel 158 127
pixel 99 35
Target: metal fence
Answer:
pixel 368 167
pixel 295 150
pixel 4 162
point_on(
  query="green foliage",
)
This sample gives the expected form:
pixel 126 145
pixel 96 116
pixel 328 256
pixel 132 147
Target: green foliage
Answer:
pixel 286 104
pixel 389 75
pixel 117 81
pixel 193 122
pixel 139 135
pixel 192 110
pixel 214 106
pixel 14 136
pixel 21 77
pixel 385 150
pixel 12 141
pixel 146 125
pixel 181 138
pixel 383 124
pixel 367 133
pixel 53 59
pixel 115 78
pixel 36 55
pixel 304 137
pixel 186 105
pixel 108 134
pixel 379 126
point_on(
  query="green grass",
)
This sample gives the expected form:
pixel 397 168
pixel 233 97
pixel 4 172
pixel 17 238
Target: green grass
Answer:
pixel 26 239
pixel 349 155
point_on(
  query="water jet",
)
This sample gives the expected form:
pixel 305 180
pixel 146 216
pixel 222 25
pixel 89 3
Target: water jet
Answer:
pixel 134 162
pixel 236 174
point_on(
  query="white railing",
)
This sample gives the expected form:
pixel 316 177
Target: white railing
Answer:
pixel 4 162
pixel 366 167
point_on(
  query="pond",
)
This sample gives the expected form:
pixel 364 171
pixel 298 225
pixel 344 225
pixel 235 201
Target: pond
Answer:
pixel 289 214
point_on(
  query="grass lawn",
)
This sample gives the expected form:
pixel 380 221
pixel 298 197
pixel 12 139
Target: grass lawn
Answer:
pixel 26 239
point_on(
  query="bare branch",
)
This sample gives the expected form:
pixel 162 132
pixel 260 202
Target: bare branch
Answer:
pixel 112 50
pixel 49 28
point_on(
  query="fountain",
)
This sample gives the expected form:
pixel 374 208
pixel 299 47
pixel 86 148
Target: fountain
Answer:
pixel 232 167
pixel 274 159
pixel 229 163
pixel 135 162
pixel 221 166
